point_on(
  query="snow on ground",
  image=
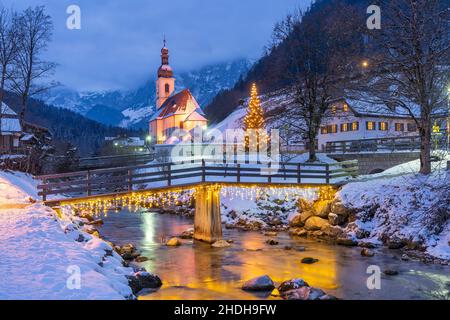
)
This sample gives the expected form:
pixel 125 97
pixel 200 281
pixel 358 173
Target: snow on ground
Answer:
pixel 404 205
pixel 133 116
pixel 41 254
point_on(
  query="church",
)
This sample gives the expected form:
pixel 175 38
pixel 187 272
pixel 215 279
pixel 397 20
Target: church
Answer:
pixel 173 110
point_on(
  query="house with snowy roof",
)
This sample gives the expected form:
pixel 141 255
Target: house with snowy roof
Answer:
pixel 174 111
pixel 10 129
pixel 359 119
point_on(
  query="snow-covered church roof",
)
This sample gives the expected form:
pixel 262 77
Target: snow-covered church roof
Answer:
pixel 183 103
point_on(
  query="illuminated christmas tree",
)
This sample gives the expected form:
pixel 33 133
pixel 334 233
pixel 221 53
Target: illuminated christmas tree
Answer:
pixel 254 123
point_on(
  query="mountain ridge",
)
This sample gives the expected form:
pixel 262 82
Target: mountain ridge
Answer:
pixel 137 105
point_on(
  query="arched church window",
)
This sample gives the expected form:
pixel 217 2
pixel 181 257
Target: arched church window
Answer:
pixel 167 88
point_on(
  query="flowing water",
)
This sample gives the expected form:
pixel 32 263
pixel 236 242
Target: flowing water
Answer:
pixel 194 270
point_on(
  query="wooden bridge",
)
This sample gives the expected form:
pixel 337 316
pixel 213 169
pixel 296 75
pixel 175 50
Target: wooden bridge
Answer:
pixel 207 177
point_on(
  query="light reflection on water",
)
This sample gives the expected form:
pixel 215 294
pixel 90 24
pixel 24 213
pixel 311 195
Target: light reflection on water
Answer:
pixel 197 271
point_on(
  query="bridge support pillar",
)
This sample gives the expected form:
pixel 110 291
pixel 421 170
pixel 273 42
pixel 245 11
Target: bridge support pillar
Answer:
pixel 207 221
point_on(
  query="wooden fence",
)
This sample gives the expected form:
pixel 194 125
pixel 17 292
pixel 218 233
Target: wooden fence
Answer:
pixel 114 161
pixel 122 179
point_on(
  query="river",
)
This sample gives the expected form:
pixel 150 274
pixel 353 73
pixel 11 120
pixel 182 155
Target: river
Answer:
pixel 194 270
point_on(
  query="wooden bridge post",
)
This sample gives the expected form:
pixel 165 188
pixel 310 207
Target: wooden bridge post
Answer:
pixel 207 221
pixel 88 183
pixel 44 190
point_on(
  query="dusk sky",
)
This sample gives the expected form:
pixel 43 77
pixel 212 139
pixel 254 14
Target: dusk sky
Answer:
pixel 119 43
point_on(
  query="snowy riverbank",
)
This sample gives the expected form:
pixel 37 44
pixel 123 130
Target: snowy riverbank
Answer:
pixel 48 257
pixel 396 208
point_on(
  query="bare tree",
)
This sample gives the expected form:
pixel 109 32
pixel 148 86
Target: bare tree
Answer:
pixel 9 38
pixel 320 51
pixel 35 28
pixel 410 64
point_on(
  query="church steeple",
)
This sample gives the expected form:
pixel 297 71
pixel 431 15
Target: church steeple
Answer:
pixel 165 84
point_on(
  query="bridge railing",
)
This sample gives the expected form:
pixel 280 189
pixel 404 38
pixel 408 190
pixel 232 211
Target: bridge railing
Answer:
pixel 170 174
pixel 114 160
pixel 374 145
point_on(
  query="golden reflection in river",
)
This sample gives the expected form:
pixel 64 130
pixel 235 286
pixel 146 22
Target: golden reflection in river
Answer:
pixel 196 271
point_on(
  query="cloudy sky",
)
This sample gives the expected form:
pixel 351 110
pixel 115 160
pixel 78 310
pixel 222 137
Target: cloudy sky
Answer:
pixel 119 43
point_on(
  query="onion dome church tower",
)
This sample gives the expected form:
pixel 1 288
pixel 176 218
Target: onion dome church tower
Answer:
pixel 173 110
pixel 165 84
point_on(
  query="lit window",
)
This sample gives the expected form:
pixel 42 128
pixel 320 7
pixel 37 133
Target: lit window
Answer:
pixel 370 125
pixel 344 127
pixel 332 128
pixel 345 107
pixel 323 130
pixel 400 127
pixel 355 126
pixel 383 126
pixel 333 109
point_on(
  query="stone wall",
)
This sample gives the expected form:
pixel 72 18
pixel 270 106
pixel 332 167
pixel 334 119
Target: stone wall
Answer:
pixel 378 162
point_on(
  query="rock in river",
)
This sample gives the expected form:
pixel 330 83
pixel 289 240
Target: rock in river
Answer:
pixel 221 244
pixel 272 242
pixel 143 280
pixel 309 260
pixel 292 284
pixel 367 253
pixel 263 283
pixel 303 293
pixel 173 242
pixel 390 272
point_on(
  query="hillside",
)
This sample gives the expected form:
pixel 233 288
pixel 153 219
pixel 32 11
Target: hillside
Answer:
pixel 65 125
pixel 271 72
pixel 133 108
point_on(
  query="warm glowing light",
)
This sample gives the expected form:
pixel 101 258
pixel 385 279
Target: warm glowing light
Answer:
pixel 436 128
pixel 365 63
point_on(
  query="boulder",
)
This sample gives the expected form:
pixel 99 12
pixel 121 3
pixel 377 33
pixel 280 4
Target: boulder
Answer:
pixel 95 222
pixel 303 293
pixel 292 284
pixel 141 259
pixel 143 280
pixel 346 242
pixel 315 223
pixel 127 248
pixel 304 205
pixel 339 209
pixel 309 260
pixel 187 234
pixel 322 208
pixel 333 231
pixel 262 283
pixel 396 244
pixel 272 242
pixel 299 232
pixel 221 244
pixel 367 253
pixel 390 272
pixel 300 219
pixel 173 242
pixel 336 220
pixel 275 222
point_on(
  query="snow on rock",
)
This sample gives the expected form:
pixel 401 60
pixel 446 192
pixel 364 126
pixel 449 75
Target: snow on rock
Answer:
pixel 411 208
pixel 263 209
pixel 40 254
